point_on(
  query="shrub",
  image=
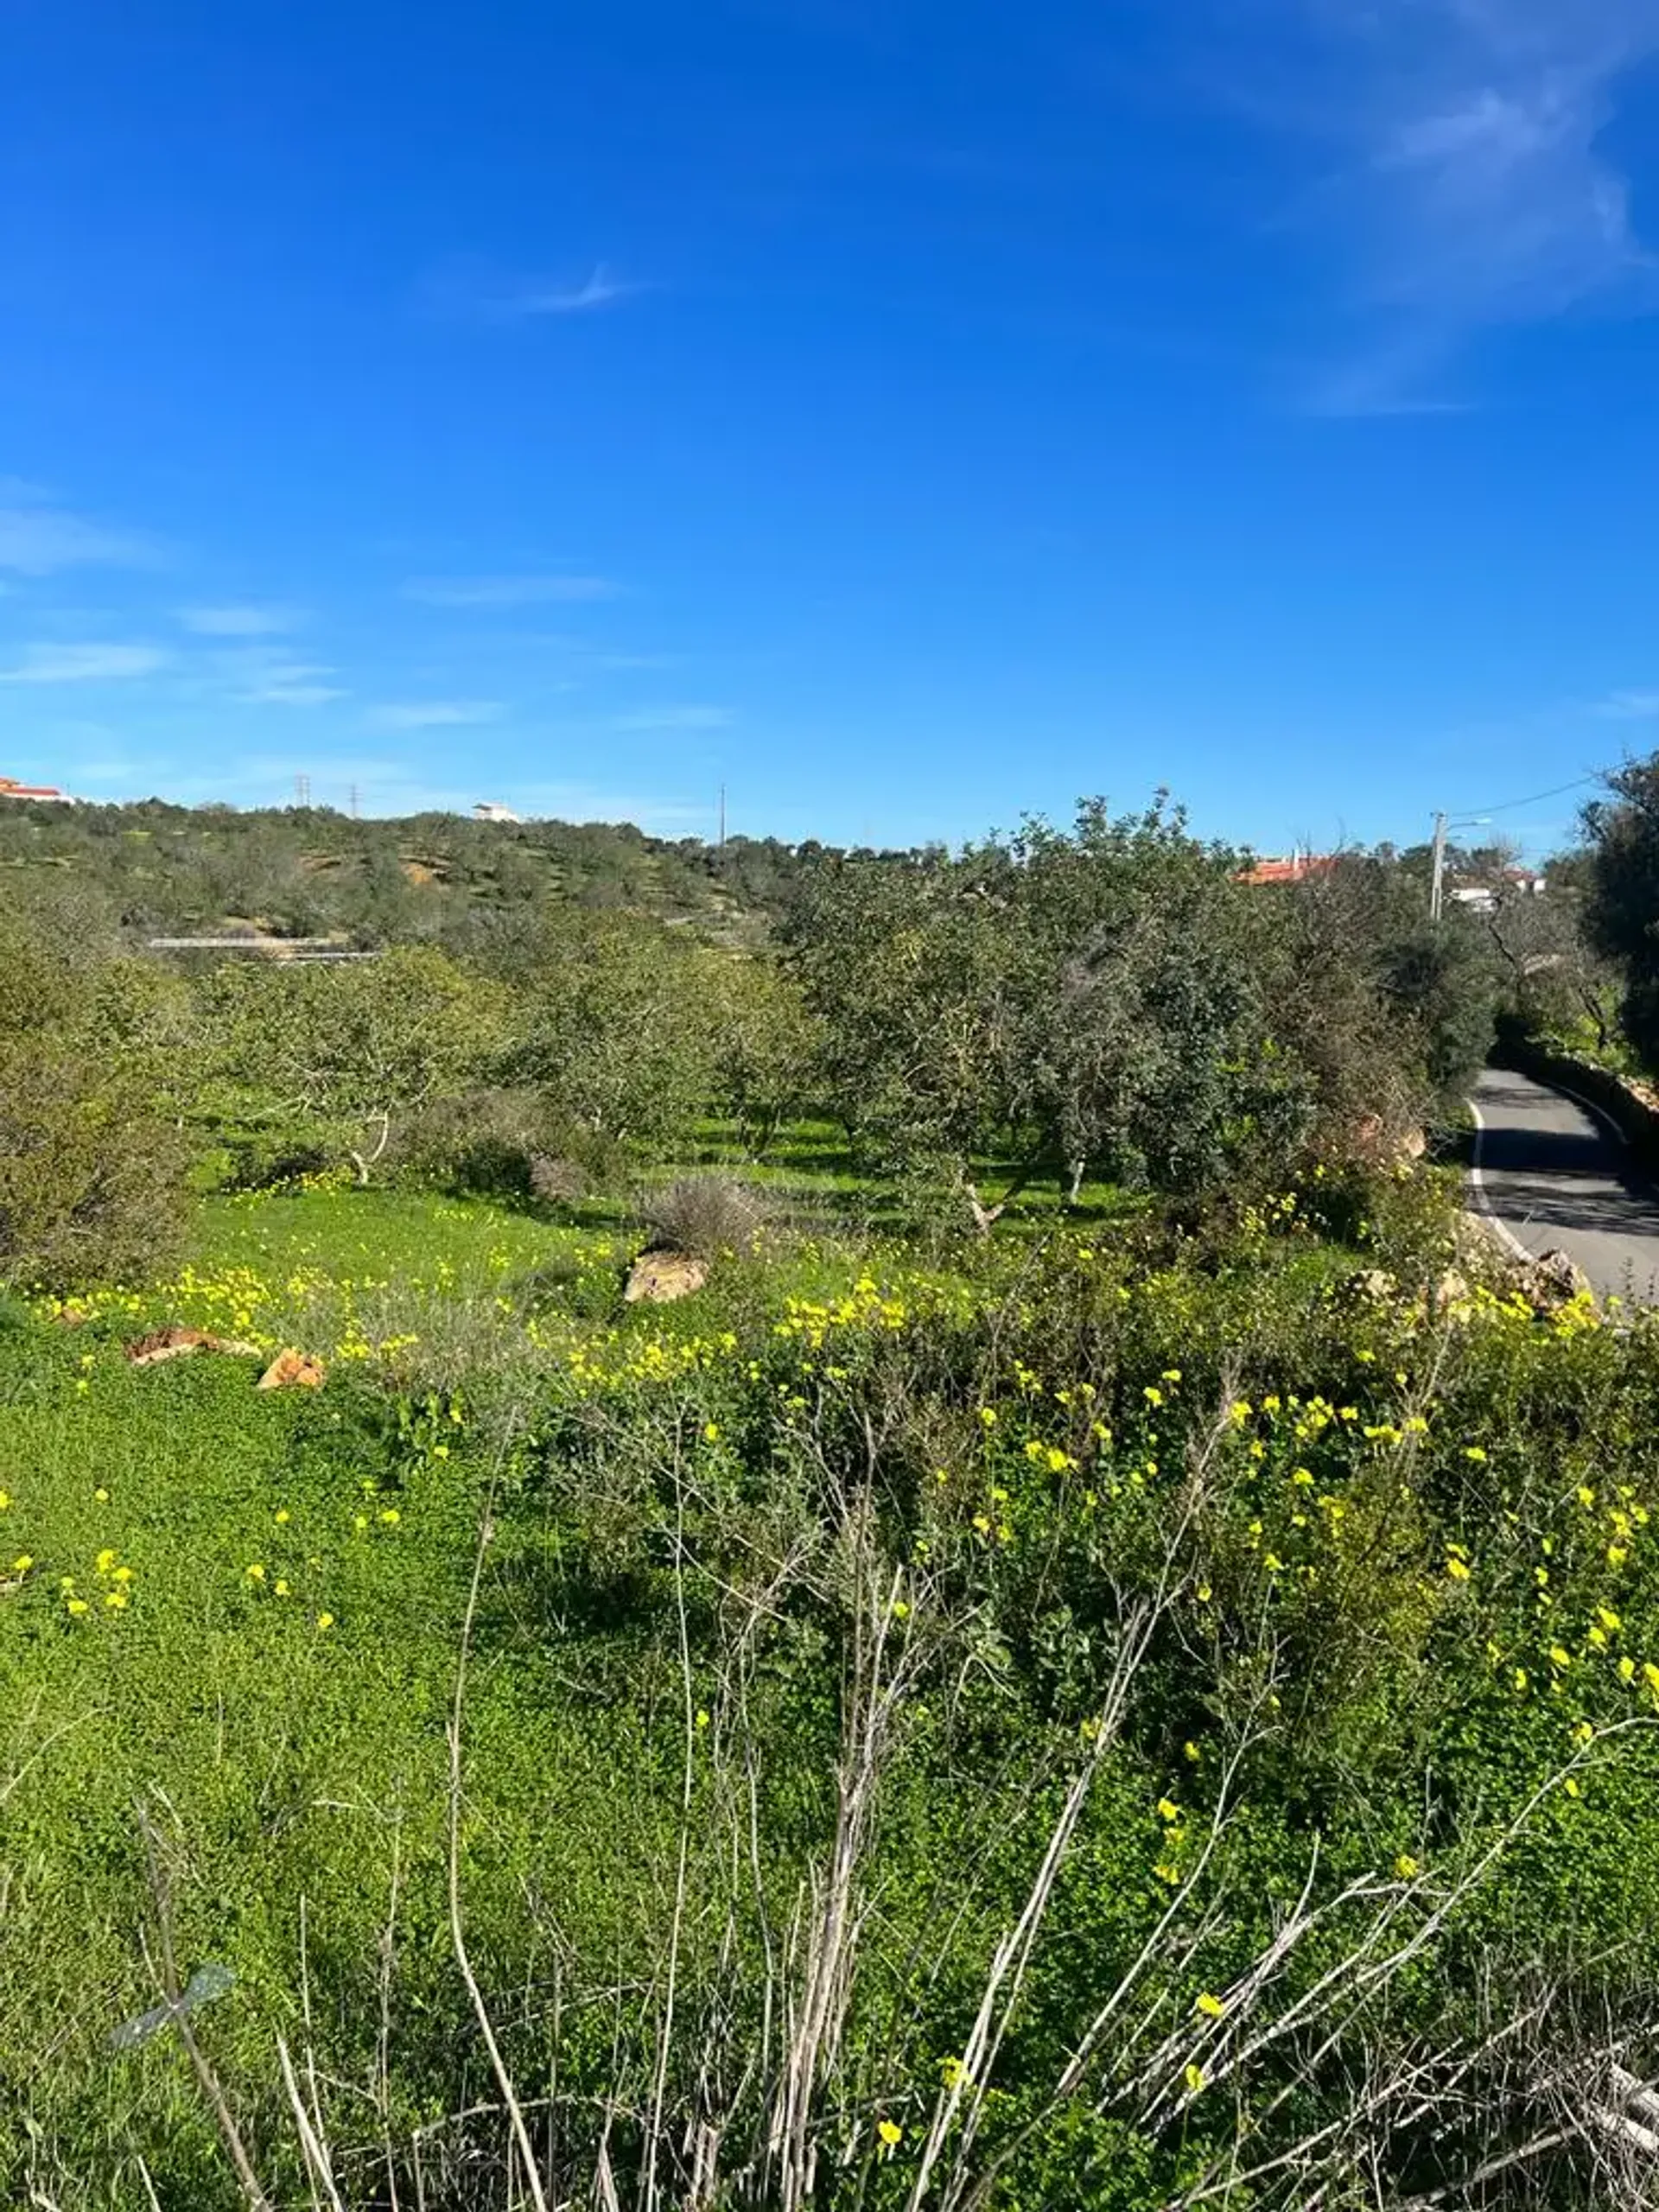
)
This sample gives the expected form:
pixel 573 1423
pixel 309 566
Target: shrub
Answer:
pixel 555 1182
pixel 705 1216
pixel 490 1141
pixel 91 1177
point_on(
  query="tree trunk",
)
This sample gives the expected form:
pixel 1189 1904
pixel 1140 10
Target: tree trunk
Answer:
pixel 1079 1169
pixel 363 1161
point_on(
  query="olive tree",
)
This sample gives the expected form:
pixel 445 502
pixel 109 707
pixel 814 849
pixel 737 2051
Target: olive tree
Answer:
pixel 331 1057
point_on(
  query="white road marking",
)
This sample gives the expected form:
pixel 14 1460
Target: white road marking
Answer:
pixel 1591 1107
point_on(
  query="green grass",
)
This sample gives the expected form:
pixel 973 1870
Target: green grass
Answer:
pixel 673 1608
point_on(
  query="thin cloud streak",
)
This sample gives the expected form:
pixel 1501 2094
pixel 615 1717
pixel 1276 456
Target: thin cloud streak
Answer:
pixel 1475 188
pixel 86 663
pixel 1627 707
pixel 435 714
pixel 488 592
pixel 239 622
pixel 472 288
pixel 673 718
pixel 41 540
pixel 600 289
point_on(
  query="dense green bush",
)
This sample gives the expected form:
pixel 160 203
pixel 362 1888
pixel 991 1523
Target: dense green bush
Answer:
pixel 91 1177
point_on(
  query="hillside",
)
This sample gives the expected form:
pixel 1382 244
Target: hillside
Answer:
pixel 154 867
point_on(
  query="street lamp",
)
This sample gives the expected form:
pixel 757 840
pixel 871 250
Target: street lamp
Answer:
pixel 1437 879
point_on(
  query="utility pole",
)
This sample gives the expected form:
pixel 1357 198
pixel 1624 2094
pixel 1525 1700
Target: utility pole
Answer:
pixel 355 807
pixel 1437 879
pixel 302 790
pixel 723 817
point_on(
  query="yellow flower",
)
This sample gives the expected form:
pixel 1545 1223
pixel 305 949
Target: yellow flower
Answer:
pixel 325 1620
pixel 1166 1811
pixel 392 1516
pixel 1626 1669
pixel 1211 2007
pixel 116 1600
pixel 1473 1452
pixel 1584 1733
pixel 1406 1867
pixel 256 1572
pixel 891 2134
pixel 122 1574
pixel 104 1562
pixel 1650 1675
pixel 1191 1752
pixel 1153 1395
pixel 1572 1787
pixel 1559 1657
pixel 1202 1593
pixel 21 1564
pixel 1194 2078
pixel 282 1516
pixel 1520 1678
pixel 711 1432
pixel 1456 1570
pixel 76 1605
pixel 282 1590
pixel 102 1495
pixel 988 1415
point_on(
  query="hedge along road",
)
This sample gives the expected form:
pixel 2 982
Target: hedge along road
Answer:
pixel 1554 1173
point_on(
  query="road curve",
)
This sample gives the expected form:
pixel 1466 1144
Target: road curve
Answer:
pixel 1554 1173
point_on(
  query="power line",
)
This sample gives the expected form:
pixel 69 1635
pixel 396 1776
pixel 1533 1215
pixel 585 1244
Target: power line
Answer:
pixel 1508 805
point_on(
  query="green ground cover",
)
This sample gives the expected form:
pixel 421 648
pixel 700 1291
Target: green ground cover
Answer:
pixel 1309 1639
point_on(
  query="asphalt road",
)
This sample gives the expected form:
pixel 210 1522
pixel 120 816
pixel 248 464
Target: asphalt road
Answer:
pixel 1555 1175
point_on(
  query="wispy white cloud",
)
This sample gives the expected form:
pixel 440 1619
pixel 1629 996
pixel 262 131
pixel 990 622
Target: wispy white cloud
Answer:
pixel 508 591
pixel 672 718
pixel 435 714
pixel 474 289
pixel 84 664
pixel 38 539
pixel 1475 186
pixel 1627 706
pixel 294 693
pixel 239 622
pixel 260 675
pixel 599 288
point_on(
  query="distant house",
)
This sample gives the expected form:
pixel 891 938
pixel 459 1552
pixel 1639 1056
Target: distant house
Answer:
pixel 487 810
pixel 1507 883
pixel 1296 868
pixel 10 788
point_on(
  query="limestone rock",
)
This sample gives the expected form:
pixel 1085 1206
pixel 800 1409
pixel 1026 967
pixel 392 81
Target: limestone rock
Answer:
pixel 657 1278
pixel 1551 1282
pixel 178 1343
pixel 292 1370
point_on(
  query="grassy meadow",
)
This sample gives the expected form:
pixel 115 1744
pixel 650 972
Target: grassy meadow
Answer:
pixel 1085 1723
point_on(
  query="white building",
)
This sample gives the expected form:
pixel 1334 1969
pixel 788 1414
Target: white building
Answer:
pixel 487 810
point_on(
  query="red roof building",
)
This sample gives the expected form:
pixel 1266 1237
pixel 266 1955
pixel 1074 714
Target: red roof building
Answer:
pixel 10 788
pixel 1296 869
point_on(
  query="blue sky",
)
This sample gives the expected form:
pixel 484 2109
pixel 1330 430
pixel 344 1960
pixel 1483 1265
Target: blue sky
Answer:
pixel 908 415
